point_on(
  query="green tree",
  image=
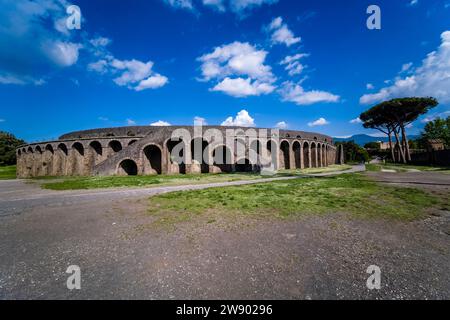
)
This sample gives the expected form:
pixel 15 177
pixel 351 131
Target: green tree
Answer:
pixel 393 116
pixel 8 145
pixel 437 129
pixel 372 145
pixel 353 152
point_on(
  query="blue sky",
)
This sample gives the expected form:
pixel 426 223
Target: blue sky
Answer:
pixel 306 65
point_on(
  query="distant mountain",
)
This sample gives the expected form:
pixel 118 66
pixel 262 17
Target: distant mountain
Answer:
pixel 362 139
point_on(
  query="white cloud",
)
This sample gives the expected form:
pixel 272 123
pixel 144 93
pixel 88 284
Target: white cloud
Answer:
pixel 281 125
pixel 242 119
pixel 413 3
pixel 293 92
pixel 292 64
pixel 432 78
pixel 2 120
pixel 152 82
pixel 370 86
pixel 239 69
pixel 240 87
pixel 63 54
pixel 160 123
pixel 219 5
pixel 199 121
pixel 356 120
pixel 406 67
pixel 32 35
pixel 182 4
pixel 281 34
pixel 240 7
pixel 131 122
pixel 433 117
pixel 101 66
pixel 103 119
pixel 100 42
pixel 134 74
pixel 318 122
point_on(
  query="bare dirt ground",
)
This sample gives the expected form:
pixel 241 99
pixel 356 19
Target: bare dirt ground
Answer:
pixel 120 256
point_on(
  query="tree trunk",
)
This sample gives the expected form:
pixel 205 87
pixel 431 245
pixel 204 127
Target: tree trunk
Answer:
pixel 390 146
pixel 400 148
pixel 405 140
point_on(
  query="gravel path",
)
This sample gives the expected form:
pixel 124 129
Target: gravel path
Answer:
pixel 18 196
pixel 122 256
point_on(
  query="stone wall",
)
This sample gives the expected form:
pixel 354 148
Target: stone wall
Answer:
pixel 147 150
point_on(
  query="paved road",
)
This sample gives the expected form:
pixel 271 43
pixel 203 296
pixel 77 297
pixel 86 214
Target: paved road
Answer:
pixel 413 178
pixel 17 196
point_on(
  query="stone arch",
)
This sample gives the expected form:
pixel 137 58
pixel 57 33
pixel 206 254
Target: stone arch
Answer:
pixel 114 146
pixel 127 167
pixel 222 159
pixel 152 159
pixel 319 154
pixel 284 155
pixel 38 164
pixel 47 160
pixel 244 165
pixel 176 162
pixel 76 162
pixel 198 162
pixel 94 154
pixel 255 152
pixel 306 155
pixel 132 141
pixel 59 166
pixel 324 156
pixel 313 155
pixel 297 150
pixel 272 147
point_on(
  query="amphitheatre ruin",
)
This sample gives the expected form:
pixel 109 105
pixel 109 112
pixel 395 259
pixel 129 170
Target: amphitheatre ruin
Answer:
pixel 148 150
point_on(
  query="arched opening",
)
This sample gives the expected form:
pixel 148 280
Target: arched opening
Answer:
pixel 115 146
pixel 95 154
pixel 222 159
pixel 59 167
pixel 77 159
pixel 152 159
pixel 284 156
pixel 324 156
pixel 296 148
pixel 271 147
pixel 306 155
pixel 40 170
pixel 255 152
pixel 199 164
pixel 176 156
pixel 47 161
pixel 127 168
pixel 313 155
pixel 243 165
pixel 131 142
pixel 319 155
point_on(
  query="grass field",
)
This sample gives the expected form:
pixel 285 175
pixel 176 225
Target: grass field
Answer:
pixel 7 172
pixel 405 168
pixel 348 193
pixel 77 183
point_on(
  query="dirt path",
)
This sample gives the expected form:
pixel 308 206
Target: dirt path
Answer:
pixel 19 196
pixel 122 256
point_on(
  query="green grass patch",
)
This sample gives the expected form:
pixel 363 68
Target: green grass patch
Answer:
pixel 77 183
pixel 331 168
pixel 406 168
pixel 7 172
pixel 97 182
pixel 348 193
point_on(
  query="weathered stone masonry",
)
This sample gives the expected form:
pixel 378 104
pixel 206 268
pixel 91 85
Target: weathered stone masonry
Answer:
pixel 146 150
